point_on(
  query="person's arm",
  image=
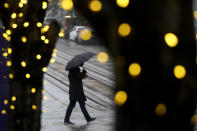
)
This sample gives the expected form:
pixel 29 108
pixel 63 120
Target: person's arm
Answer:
pixel 84 74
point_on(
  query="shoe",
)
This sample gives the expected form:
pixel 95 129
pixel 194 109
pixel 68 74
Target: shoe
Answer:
pixel 68 122
pixel 91 119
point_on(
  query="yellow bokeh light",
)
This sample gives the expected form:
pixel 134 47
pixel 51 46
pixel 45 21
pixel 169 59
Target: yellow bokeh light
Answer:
pixel 20 4
pixel 33 90
pixel 13 16
pixel 44 5
pixel 43 37
pixel 9 50
pixel 23 39
pixel 95 5
pixel 3 112
pixel 102 57
pixel 134 69
pixel 20 14
pixel 11 76
pixel 124 29
pixel 8 32
pixel 5 54
pixel 160 109
pixel 43 111
pixel 45 29
pixel 194 119
pixel 120 98
pixel 8 63
pixel 23 64
pixel 38 56
pixel 6 5
pixel 171 39
pixel 67 4
pixel 14 26
pixel 45 97
pixel 55 50
pixel 52 60
pixel 34 107
pixel 195 14
pixel 13 98
pixel 39 24
pixel 26 24
pixel 54 54
pixel 85 34
pixel 122 3
pixel 61 33
pixel 179 71
pixel 5 35
pixel 46 41
pixel 5 101
pixel 24 1
pixel 12 107
pixel 27 75
pixel 44 69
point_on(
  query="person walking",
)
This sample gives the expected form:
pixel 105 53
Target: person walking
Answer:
pixel 76 93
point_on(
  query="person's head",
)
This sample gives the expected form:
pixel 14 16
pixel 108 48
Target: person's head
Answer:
pixel 81 64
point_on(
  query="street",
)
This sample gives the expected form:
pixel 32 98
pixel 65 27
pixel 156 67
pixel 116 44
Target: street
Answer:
pixel 98 88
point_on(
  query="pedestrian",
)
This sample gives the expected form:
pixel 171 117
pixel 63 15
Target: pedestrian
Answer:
pixel 76 93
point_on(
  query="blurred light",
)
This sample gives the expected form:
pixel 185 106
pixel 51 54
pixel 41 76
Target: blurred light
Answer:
pixel 42 37
pixel 196 36
pixel 54 54
pixel 23 64
pixel 68 16
pixel 6 5
pixel 45 29
pixel 55 50
pixel 24 1
pixel 102 57
pixel 124 29
pixel 122 3
pixel 46 41
pixel 8 32
pixel 14 26
pixel 85 34
pixel 12 107
pixel 13 16
pixel 26 24
pixel 120 98
pixel 95 5
pixel 23 39
pixel 34 107
pixel 179 71
pixel 52 60
pixel 11 76
pixel 43 111
pixel 5 102
pixel 20 14
pixel 160 109
pixel 61 33
pixel 5 35
pixel 3 112
pixel 44 69
pixel 44 83
pixel 8 63
pixel 171 39
pixel 13 98
pixel 45 97
pixel 27 75
pixel 67 4
pixel 33 90
pixel 44 5
pixel 39 24
pixel 20 4
pixel 38 56
pixel 194 120
pixel 195 14
pixel 134 69
pixel 9 50
pixel 5 54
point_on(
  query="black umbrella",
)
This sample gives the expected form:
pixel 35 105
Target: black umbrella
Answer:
pixel 79 59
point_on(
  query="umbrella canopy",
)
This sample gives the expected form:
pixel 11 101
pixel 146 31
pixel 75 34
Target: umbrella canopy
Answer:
pixel 79 59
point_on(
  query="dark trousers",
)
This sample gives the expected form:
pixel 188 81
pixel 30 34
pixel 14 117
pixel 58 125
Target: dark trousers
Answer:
pixel 72 105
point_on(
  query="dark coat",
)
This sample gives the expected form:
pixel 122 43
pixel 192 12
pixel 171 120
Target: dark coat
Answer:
pixel 75 84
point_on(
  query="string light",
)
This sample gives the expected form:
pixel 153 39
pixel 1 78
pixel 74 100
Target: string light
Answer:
pixel 122 3
pixel 45 29
pixel 43 111
pixel 6 5
pixel 44 69
pixel 8 32
pixel 12 107
pixel 23 64
pixel 20 4
pixel 54 54
pixel 11 76
pixel 45 97
pixel 8 63
pixel 27 75
pixel 14 25
pixel 102 57
pixel 5 54
pixel 38 57
pixel 160 109
pixel 3 112
pixel 67 4
pixel 134 69
pixel 20 14
pixel 124 29
pixel 26 24
pixel 5 102
pixel 42 37
pixel 33 90
pixel 120 98
pixel 23 39
pixel 39 24
pixel 85 34
pixel 95 5
pixel 179 71
pixel 46 41
pixel 195 14
pixel 13 98
pixel 24 1
pixel 13 16
pixel 34 107
pixel 61 33
pixel 44 5
pixel 171 39
pixel 9 50
pixel 52 60
pixel 194 120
